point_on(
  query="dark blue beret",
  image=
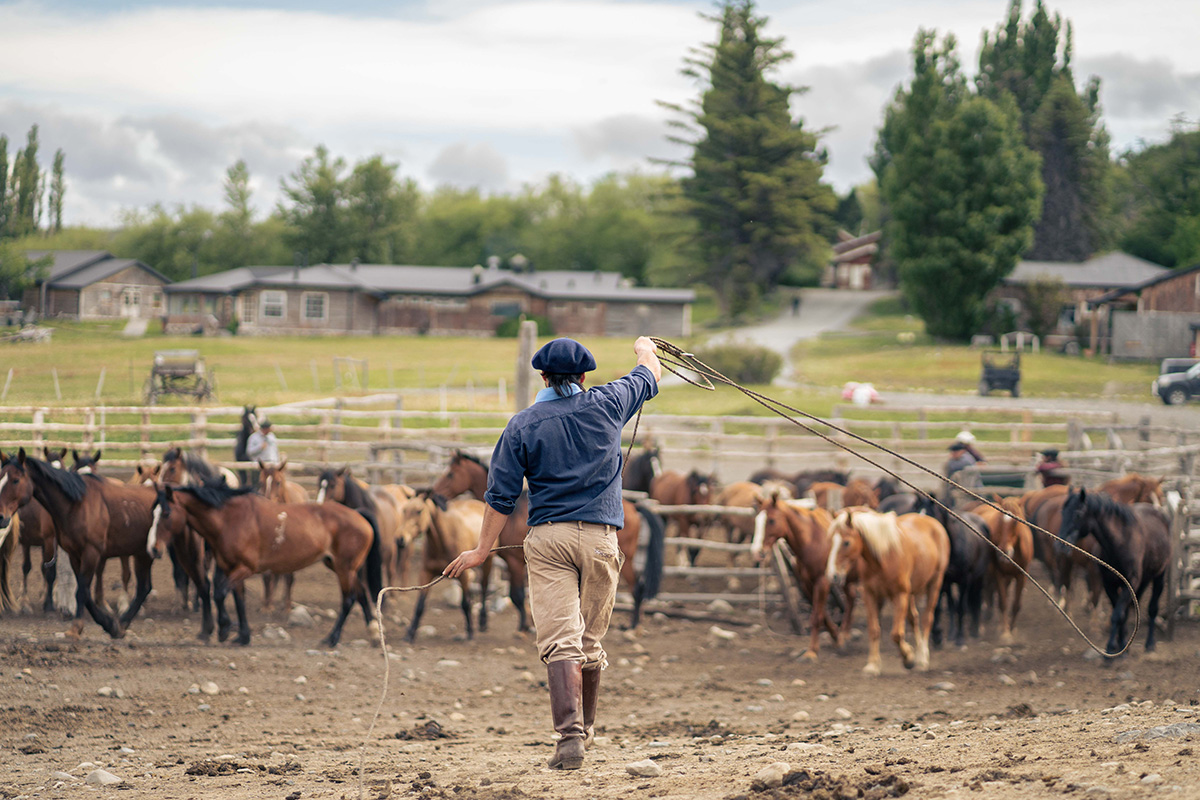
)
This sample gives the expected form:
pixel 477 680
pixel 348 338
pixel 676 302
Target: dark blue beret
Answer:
pixel 565 356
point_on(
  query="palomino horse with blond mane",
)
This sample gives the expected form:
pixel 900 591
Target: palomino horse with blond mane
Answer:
pixel 899 559
pixel 806 531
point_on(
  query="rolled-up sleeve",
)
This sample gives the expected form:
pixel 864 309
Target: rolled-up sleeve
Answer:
pixel 629 392
pixel 506 475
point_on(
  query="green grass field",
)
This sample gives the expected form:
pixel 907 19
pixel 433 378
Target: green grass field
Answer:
pixel 269 370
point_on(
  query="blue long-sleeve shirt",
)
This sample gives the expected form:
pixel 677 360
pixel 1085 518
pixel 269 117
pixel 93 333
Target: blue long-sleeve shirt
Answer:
pixel 569 450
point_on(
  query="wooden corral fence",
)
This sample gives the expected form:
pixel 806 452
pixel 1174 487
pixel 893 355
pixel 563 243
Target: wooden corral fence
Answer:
pixel 385 442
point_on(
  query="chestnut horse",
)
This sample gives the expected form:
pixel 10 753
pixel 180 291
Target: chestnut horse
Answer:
pixel 676 489
pixel 902 558
pixel 36 529
pixel 273 484
pixel 449 529
pixel 466 473
pixel 1043 509
pixel 1133 539
pixel 250 534
pixel 95 519
pixel 1134 488
pixel 806 531
pixel 1009 532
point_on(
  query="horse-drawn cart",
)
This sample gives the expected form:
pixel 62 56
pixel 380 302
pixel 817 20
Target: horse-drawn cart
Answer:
pixel 180 373
pixel 1000 371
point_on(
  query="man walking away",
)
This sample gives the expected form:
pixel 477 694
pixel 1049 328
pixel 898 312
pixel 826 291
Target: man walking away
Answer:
pixel 567 445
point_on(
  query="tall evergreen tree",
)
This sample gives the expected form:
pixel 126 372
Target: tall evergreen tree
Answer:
pixel 27 188
pixel 755 185
pixel 6 196
pixel 1031 62
pixel 58 189
pixel 380 212
pixel 961 186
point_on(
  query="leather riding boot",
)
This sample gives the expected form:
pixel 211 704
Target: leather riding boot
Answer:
pixel 591 690
pixel 566 691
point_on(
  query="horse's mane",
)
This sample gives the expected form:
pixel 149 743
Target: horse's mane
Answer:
pixel 879 531
pixel 1102 505
pixel 214 492
pixel 471 457
pixel 69 483
pixel 194 463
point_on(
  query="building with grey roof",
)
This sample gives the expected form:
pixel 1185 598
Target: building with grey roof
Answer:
pixel 1082 284
pixel 93 284
pixel 402 299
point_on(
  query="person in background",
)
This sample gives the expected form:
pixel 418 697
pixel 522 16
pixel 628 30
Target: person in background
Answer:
pixel 967 440
pixel 262 445
pixel 1051 470
pixel 960 458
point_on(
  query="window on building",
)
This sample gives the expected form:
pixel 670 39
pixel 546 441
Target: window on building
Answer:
pixel 506 308
pixel 274 305
pixel 156 302
pixel 316 305
pixel 248 308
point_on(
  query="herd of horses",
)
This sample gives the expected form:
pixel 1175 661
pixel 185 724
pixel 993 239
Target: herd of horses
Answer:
pixel 220 528
pixel 930 557
pixel 848 538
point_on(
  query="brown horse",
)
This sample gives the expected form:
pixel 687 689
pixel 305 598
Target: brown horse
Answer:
pixel 676 489
pixel 95 519
pixel 1008 532
pixel 743 494
pixel 449 529
pixel 860 493
pixel 384 505
pixel 902 559
pixel 806 531
pixel 250 534
pixel 828 495
pixel 1043 509
pixel 1134 488
pixel 273 484
pixel 467 473
pixel 85 464
pixel 35 528
pixel 12 497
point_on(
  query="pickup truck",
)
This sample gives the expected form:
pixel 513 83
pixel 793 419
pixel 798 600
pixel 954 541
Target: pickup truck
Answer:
pixel 1176 388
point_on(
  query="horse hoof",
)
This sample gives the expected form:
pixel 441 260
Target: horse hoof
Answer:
pixel 204 637
pixel 1006 638
pixel 809 655
pixel 242 641
pixel 871 670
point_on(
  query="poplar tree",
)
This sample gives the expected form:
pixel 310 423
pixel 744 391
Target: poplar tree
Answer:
pixel 58 189
pixel 754 187
pixel 1030 61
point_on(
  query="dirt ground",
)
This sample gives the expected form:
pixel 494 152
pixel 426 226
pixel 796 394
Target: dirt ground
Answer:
pixel 711 703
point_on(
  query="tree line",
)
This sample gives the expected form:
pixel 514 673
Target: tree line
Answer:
pixel 971 173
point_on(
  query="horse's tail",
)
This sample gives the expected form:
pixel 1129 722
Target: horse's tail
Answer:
pixel 373 568
pixel 8 601
pixel 651 577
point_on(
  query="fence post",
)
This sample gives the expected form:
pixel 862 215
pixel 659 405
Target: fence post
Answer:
pixel 385 436
pixel 923 427
pixel 89 431
pixel 39 419
pixel 772 435
pixel 336 434
pixel 200 433
pixel 718 430
pixel 1074 434
pixel 1026 422
pixel 323 432
pixel 1144 429
pixel 144 433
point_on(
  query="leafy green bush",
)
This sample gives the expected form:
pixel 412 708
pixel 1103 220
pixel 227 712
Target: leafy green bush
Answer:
pixel 508 328
pixel 744 363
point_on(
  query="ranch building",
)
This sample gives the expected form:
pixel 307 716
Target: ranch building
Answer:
pixel 92 284
pixel 338 299
pixel 1158 318
pixel 1083 283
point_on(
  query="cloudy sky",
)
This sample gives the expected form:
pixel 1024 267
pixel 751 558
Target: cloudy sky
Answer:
pixel 153 99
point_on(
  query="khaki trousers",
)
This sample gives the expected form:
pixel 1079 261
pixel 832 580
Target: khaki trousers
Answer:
pixel 573 573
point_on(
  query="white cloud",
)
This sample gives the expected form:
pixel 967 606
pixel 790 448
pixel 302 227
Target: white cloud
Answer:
pixel 464 165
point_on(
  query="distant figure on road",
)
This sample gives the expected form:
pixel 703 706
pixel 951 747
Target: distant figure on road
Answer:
pixel 796 306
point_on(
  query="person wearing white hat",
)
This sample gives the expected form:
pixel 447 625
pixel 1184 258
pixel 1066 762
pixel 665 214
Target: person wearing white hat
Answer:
pixel 967 440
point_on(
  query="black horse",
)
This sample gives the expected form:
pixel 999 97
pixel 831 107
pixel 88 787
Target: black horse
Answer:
pixel 803 480
pixel 249 425
pixel 641 469
pixel 1135 540
pixel 966 573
